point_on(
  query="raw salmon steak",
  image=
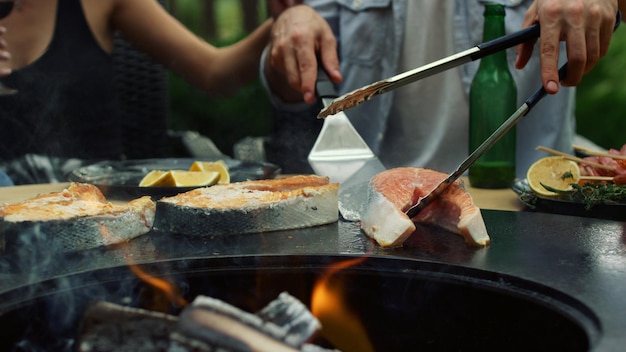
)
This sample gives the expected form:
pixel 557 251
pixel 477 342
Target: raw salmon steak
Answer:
pixel 76 218
pixel 250 206
pixel 393 192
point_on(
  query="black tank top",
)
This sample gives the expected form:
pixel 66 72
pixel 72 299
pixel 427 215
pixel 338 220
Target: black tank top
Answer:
pixel 66 105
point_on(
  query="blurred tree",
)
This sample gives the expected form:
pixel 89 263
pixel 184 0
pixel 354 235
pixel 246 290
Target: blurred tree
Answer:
pixel 601 97
pixel 224 120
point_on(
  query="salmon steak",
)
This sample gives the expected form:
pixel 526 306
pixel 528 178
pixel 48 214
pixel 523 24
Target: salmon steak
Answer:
pixel 393 192
pixel 250 206
pixel 76 218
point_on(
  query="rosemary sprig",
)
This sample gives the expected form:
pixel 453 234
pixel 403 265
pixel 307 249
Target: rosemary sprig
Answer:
pixel 593 193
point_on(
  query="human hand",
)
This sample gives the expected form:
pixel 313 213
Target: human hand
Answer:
pixel 299 36
pixel 4 54
pixel 276 7
pixel 586 26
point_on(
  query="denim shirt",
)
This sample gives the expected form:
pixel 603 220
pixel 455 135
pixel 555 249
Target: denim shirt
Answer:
pixel 370 35
pixel 5 180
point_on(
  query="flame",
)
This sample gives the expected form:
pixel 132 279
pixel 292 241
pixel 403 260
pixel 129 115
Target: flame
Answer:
pixel 339 325
pixel 169 294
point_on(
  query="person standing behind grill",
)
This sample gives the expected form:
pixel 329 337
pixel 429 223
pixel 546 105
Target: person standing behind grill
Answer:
pixel 425 124
pixel 60 63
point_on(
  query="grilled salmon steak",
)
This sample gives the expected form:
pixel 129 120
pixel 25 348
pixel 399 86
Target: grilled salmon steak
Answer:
pixel 76 218
pixel 250 206
pixel 393 192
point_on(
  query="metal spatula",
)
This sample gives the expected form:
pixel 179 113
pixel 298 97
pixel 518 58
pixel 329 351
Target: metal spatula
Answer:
pixel 341 154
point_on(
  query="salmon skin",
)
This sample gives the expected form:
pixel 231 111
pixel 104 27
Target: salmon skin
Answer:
pixel 76 218
pixel 250 206
pixel 393 191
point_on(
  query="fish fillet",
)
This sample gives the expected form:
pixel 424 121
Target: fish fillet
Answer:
pixel 393 192
pixel 250 206
pixel 76 218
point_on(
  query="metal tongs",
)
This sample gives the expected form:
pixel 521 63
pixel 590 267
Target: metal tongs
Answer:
pixel 489 142
pixel 360 95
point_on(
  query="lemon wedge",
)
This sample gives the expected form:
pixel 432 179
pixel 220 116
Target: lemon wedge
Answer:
pixel 194 178
pixel 553 171
pixel 215 166
pixel 153 178
pixel 179 178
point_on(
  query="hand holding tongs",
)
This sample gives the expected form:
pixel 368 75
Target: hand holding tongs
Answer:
pixel 358 96
pixel 489 142
pixel 362 94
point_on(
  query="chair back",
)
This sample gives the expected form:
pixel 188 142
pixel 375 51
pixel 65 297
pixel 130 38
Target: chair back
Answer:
pixel 143 94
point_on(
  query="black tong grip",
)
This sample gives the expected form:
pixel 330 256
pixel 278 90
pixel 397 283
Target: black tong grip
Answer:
pixel 516 38
pixel 325 88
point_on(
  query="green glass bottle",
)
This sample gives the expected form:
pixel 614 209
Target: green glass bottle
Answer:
pixel 493 98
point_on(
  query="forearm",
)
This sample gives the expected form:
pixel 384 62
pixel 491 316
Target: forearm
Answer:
pixel 228 69
pixel 218 71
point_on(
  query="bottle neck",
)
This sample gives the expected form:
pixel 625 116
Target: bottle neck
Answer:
pixel 494 28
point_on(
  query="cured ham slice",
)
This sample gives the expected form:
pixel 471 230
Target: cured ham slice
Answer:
pixel 618 165
pixel 393 192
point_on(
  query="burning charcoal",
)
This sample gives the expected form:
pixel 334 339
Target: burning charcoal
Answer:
pixel 111 327
pixel 295 322
pixel 207 325
pixel 215 323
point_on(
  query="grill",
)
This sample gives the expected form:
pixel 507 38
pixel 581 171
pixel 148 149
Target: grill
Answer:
pixel 548 289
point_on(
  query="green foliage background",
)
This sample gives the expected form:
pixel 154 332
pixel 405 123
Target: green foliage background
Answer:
pixel 224 120
pixel 601 97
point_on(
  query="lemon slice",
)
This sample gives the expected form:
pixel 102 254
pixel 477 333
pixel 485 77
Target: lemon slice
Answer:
pixel 153 178
pixel 179 178
pixel 554 171
pixel 194 178
pixel 216 166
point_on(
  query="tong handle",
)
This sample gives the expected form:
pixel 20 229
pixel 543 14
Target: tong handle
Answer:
pixel 324 86
pixel 516 38
pixel 506 41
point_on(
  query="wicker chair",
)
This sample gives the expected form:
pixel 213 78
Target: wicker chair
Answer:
pixel 144 101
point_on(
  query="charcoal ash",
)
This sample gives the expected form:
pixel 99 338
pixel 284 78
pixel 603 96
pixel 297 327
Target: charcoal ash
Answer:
pixel 207 324
pixel 112 327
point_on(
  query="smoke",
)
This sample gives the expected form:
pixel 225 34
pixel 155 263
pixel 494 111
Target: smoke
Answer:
pixel 45 289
